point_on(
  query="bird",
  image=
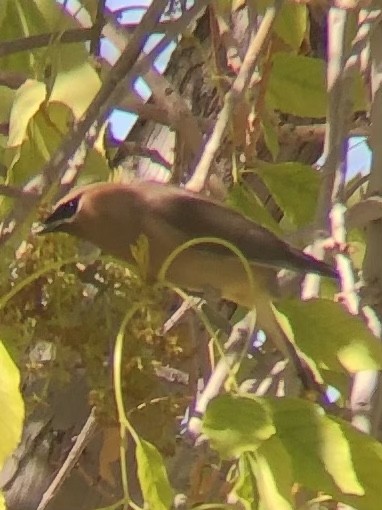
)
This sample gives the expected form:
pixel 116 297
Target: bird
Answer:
pixel 113 216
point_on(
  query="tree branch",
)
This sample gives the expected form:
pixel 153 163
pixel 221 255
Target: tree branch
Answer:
pixel 74 35
pixel 82 440
pixel 239 86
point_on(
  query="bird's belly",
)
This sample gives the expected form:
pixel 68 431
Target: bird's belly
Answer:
pixel 198 271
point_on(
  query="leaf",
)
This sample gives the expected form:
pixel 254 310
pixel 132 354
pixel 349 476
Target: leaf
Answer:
pixel 3 12
pixel 11 405
pixel 7 99
pixel 320 454
pixel 272 468
pixel 76 88
pixel 2 502
pixel 156 490
pixel 366 454
pixel 28 100
pixel 53 16
pixel 236 425
pixel 244 200
pixel 357 250
pixel 297 85
pixel 36 147
pixel 44 135
pixel 291 23
pixel 245 489
pixel 333 338
pixel 95 167
pixel 294 186
pixel 328 454
pixel 23 19
pixel 270 137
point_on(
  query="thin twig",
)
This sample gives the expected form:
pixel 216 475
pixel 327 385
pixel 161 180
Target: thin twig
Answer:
pixel 82 440
pixel 235 347
pixel 316 132
pixel 33 42
pixel 13 192
pixel 97 112
pixel 99 109
pixel 338 115
pixel 368 394
pixel 239 86
pixel 136 149
pixel 95 43
pixel 360 51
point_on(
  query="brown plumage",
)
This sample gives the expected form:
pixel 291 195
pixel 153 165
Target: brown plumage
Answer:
pixel 112 216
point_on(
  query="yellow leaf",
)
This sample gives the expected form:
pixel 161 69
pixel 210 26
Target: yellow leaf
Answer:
pixel 11 405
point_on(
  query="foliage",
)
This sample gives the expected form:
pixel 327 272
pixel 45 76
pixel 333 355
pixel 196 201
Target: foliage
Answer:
pixel 320 452
pixel 62 305
pixel 12 408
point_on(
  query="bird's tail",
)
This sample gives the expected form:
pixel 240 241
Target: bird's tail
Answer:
pixel 306 263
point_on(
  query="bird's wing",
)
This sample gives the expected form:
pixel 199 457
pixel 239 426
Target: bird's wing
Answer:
pixel 195 216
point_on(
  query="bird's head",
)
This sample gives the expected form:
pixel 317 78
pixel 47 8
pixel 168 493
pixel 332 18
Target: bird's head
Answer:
pixel 65 215
pixel 101 213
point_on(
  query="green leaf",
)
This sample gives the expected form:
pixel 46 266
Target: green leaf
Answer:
pixel 76 88
pixel 3 11
pixel 22 19
pixel 37 148
pixel 297 85
pixel 244 200
pixel 272 468
pixel 319 452
pixel 7 98
pixel 291 24
pixel 11 405
pixel 28 100
pixel 294 186
pixel 53 16
pixel 328 454
pixel 270 137
pixel 245 488
pixel 366 454
pixel 333 338
pixel 156 490
pixel 236 425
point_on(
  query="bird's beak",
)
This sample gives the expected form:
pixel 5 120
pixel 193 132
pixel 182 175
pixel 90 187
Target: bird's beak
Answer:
pixel 45 228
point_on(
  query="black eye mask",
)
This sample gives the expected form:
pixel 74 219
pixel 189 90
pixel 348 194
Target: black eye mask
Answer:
pixel 64 211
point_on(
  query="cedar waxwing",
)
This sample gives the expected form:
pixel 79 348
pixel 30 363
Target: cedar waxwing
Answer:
pixel 113 216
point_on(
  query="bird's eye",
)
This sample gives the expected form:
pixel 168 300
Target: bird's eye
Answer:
pixel 64 212
pixel 71 206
